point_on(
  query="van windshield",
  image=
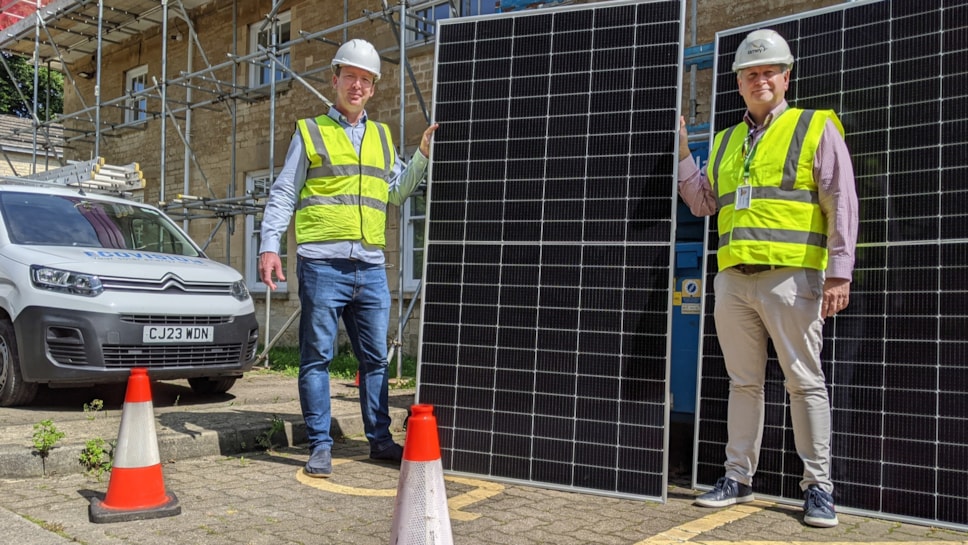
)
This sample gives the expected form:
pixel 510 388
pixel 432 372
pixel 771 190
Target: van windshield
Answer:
pixel 58 220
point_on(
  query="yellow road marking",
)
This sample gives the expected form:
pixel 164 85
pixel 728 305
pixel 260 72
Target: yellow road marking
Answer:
pixel 482 490
pixel 328 485
pixel 688 531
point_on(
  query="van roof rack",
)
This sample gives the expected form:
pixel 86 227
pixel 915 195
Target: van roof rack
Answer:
pixel 93 175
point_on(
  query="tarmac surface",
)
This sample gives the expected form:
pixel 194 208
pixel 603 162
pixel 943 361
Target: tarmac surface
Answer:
pixel 233 491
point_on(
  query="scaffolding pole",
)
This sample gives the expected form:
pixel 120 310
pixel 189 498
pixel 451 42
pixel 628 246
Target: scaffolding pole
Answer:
pixel 402 35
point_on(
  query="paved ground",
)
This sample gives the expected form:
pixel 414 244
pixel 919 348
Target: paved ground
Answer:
pixel 231 494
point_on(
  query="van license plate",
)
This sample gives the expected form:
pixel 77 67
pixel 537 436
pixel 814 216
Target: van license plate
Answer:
pixel 178 334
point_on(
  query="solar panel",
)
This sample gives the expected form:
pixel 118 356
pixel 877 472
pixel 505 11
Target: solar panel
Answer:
pixel 547 291
pixel 896 360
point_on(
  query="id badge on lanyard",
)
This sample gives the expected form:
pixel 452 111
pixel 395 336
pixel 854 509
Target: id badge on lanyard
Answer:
pixel 744 193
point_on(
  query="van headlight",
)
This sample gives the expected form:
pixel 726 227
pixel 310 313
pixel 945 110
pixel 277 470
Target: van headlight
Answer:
pixel 239 290
pixel 48 278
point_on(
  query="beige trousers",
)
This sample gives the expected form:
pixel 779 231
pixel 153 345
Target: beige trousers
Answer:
pixel 782 305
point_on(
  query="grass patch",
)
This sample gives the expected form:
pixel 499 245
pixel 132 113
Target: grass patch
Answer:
pixel 285 360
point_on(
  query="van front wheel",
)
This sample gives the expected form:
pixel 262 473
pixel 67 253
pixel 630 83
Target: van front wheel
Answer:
pixel 13 390
pixel 211 385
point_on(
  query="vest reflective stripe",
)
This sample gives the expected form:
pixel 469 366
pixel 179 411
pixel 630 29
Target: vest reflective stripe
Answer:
pixel 723 136
pixel 351 170
pixel 345 195
pixel 784 224
pixel 341 199
pixel 796 145
pixel 774 193
pixel 796 237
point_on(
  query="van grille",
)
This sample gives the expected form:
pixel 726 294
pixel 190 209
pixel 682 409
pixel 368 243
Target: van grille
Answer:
pixel 170 283
pixel 161 319
pixel 67 353
pixel 127 356
pixel 251 347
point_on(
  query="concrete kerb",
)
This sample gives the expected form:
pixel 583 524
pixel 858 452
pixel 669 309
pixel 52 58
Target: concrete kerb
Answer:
pixel 183 433
pixel 22 461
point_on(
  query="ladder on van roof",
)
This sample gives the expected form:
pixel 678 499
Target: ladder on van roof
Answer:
pixel 92 175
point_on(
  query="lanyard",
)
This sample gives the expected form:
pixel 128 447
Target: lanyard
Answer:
pixel 749 146
pixel 749 149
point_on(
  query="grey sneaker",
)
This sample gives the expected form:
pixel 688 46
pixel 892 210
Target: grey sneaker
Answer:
pixel 726 492
pixel 320 464
pixel 818 508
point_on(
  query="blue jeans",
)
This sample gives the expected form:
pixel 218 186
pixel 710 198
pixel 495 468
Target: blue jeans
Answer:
pixel 357 292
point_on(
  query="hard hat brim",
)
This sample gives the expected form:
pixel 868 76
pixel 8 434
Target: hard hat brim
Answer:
pixel 376 75
pixel 743 66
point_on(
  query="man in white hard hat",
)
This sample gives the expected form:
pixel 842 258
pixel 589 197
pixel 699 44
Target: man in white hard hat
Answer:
pixel 340 173
pixel 783 185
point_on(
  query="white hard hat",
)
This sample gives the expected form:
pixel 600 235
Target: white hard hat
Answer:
pixel 760 48
pixel 358 53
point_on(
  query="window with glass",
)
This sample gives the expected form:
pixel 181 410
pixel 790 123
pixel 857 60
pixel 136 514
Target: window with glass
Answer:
pixel 479 7
pixel 135 107
pixel 257 184
pixel 412 253
pixel 422 23
pixel 262 37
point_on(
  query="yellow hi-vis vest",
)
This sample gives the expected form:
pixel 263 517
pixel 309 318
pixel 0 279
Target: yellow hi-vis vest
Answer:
pixel 784 224
pixel 345 196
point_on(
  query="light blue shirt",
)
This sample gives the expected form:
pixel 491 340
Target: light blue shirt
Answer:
pixel 284 194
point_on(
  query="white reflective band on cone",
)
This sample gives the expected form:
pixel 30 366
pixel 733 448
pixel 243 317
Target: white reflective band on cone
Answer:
pixel 420 513
pixel 137 443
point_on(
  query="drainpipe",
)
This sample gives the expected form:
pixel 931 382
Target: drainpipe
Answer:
pixel 693 68
pixel 164 96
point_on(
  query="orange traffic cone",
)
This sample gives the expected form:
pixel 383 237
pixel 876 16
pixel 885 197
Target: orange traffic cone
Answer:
pixel 420 514
pixel 136 490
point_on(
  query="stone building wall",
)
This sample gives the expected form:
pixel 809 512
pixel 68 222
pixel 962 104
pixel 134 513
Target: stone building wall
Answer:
pixel 21 153
pixel 14 163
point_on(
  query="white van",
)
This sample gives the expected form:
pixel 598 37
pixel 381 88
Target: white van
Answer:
pixel 93 285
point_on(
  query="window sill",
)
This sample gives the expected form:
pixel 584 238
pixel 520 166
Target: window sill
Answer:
pixel 262 92
pixel 407 294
